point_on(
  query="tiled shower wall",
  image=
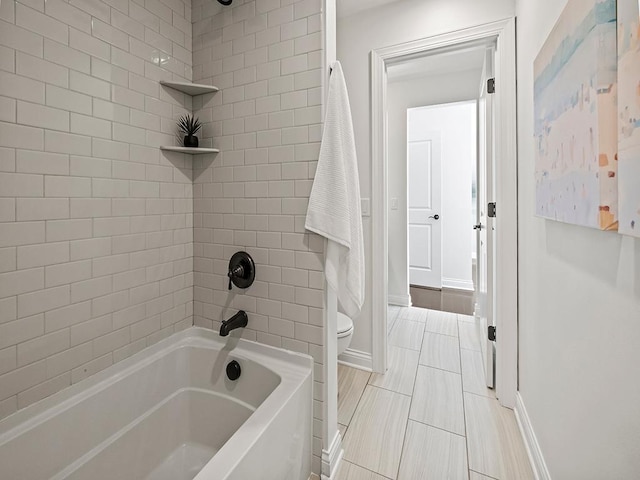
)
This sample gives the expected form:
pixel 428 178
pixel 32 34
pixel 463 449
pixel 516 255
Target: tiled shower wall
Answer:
pixel 266 57
pixel 96 223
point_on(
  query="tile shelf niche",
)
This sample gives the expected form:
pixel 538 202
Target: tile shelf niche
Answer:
pixel 194 151
pixel 190 89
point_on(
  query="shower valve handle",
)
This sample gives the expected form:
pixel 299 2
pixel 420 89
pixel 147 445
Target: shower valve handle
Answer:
pixel 237 271
pixel 242 270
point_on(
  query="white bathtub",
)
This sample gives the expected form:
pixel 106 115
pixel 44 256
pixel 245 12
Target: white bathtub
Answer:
pixel 170 413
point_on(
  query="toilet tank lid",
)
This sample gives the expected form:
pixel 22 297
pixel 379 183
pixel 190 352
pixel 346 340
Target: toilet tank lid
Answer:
pixel 344 323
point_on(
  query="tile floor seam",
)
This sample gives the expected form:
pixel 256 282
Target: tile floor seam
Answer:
pixel 387 390
pixel 464 405
pixel 464 412
pixel 440 335
pixel 368 469
pixel 358 402
pixel 403 439
pixel 490 398
pixel 443 334
pixel 438 428
pixel 483 474
pixel 359 399
pixel 438 368
pixel 407 452
pixel 403 348
pixel 406 427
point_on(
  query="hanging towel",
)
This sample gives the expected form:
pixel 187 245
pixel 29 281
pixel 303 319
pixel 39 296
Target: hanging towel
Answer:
pixel 334 204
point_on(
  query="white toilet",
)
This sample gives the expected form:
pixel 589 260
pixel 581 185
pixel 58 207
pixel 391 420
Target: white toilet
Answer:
pixel 345 332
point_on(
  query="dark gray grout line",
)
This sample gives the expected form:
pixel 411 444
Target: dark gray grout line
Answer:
pixel 368 470
pixel 438 428
pixel 464 406
pixel 389 390
pixel 483 474
pixel 438 368
pixel 406 426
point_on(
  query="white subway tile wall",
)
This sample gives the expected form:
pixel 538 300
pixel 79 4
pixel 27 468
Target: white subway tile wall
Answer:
pixel 96 223
pixel 265 56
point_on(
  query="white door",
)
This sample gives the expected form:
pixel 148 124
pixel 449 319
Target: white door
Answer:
pixel 425 231
pixel 485 225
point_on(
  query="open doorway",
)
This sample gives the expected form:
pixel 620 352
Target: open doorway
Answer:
pixel 498 38
pixel 441 147
pixel 432 155
pixel 433 363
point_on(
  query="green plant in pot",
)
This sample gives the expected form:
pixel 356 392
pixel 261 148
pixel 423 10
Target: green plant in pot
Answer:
pixel 189 125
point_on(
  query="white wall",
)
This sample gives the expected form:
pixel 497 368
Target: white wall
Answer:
pixel 396 23
pixel 579 325
pixel 415 92
pixel 96 234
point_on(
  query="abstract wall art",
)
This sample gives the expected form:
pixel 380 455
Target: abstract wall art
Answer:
pixel 629 116
pixel 575 108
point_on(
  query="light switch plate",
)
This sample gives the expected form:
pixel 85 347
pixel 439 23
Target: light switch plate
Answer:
pixel 394 203
pixel 365 207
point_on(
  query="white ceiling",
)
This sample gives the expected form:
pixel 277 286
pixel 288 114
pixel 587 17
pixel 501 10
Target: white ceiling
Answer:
pixel 349 7
pixel 438 64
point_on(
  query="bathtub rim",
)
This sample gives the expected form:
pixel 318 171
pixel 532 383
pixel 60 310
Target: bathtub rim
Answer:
pixel 225 461
pixel 290 366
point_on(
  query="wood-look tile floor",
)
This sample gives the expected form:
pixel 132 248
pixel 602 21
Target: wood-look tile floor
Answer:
pixel 431 415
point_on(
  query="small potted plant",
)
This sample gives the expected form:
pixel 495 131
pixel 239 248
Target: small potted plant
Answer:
pixel 189 125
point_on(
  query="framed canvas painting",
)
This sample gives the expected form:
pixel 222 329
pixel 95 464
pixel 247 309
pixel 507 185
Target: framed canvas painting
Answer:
pixel 575 108
pixel 629 116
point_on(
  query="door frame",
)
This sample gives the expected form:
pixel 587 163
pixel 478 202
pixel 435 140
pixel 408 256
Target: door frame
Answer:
pixel 485 269
pixel 503 33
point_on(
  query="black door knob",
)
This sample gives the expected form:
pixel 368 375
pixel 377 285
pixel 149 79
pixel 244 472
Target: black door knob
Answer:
pixel 477 227
pixel 435 217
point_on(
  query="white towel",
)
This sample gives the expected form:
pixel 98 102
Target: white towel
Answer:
pixel 334 204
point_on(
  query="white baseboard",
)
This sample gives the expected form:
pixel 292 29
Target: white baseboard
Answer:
pixel 457 284
pixel 331 458
pixel 399 300
pixel 356 359
pixel 538 464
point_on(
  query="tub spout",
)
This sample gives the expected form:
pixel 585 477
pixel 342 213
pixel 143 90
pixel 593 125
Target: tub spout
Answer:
pixel 239 320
